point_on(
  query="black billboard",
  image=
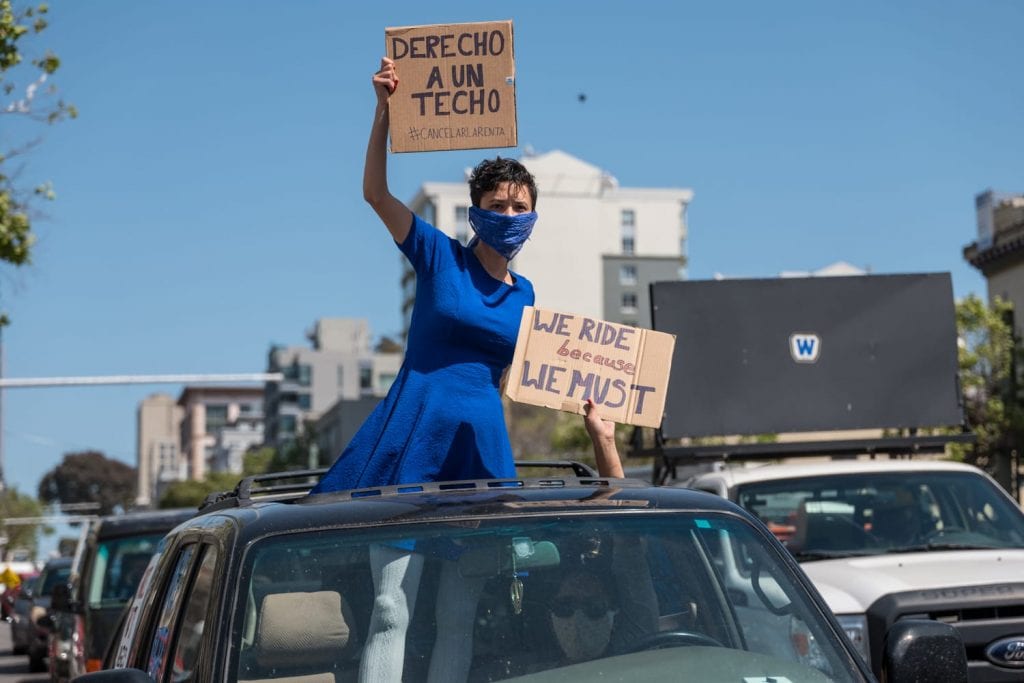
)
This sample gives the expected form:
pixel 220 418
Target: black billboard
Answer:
pixel 809 354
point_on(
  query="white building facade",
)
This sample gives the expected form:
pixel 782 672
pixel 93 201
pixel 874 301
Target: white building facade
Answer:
pixel 585 219
pixel 340 364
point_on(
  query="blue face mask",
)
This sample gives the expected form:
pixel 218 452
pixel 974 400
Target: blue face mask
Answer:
pixel 505 234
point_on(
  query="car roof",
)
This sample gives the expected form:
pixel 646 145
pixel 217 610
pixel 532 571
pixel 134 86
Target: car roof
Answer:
pixel 142 522
pixel 448 501
pixel 57 563
pixel 740 474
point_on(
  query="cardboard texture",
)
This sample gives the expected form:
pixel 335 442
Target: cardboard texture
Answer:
pixel 562 359
pixel 456 86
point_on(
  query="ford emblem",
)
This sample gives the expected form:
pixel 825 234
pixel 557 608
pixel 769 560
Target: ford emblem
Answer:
pixel 1007 652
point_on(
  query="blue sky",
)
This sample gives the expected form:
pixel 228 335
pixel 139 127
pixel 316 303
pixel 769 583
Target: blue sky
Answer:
pixel 209 199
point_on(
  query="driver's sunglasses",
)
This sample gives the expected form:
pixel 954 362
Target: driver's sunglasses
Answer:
pixel 564 607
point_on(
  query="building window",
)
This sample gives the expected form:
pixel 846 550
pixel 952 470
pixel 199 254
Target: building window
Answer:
pixel 627 274
pixel 216 417
pixel 305 375
pixel 304 401
pixel 462 224
pixel 286 426
pixel 629 302
pixel 365 377
pixel 628 228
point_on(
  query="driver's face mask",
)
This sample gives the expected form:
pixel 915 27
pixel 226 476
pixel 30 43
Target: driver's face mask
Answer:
pixel 583 628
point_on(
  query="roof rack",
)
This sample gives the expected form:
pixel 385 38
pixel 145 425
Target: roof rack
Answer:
pixel 297 483
pixel 292 484
pixel 668 457
pixel 471 485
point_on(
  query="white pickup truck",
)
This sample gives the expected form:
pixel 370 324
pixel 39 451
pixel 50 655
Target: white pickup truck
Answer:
pixel 884 540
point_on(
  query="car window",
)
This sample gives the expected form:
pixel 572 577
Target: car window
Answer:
pixel 193 621
pixel 592 596
pixel 873 513
pixel 174 592
pixel 133 613
pixel 117 567
pixel 53 576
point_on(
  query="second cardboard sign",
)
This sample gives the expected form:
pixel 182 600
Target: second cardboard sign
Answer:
pixel 561 360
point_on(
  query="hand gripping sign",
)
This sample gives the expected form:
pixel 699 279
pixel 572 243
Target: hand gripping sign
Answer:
pixel 561 360
pixel 457 87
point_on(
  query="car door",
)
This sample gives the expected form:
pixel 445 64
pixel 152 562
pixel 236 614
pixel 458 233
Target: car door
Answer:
pixel 170 643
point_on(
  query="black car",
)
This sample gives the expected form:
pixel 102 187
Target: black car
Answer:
pixel 86 609
pixel 560 578
pixel 28 635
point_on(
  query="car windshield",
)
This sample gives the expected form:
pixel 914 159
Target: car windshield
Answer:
pixel 874 513
pixel 117 568
pixel 574 597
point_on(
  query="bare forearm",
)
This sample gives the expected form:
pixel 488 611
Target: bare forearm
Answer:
pixel 375 172
pixel 607 455
pixel 395 215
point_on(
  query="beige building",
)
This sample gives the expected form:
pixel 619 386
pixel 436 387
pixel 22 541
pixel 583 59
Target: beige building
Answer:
pixel 998 251
pixel 596 245
pixel 158 456
pixel 206 410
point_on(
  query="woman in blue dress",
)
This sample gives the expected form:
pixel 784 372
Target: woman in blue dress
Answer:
pixel 443 419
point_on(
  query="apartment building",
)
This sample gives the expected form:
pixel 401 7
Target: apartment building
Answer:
pixel 998 251
pixel 206 411
pixel 339 364
pixel 596 245
pixel 159 460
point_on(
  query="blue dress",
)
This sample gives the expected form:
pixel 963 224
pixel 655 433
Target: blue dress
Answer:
pixel 443 419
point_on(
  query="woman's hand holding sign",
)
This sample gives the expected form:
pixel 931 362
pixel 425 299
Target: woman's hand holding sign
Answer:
pixel 385 80
pixel 602 433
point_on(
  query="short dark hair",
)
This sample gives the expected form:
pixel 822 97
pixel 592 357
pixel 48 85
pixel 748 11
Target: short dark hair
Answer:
pixel 489 173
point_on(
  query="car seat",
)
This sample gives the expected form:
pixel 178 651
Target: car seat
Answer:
pixel 301 638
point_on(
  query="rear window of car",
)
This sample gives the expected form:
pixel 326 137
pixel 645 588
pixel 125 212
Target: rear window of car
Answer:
pixel 50 578
pixel 118 566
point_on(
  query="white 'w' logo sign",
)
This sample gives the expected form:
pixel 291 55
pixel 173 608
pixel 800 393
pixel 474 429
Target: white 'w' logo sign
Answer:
pixel 804 347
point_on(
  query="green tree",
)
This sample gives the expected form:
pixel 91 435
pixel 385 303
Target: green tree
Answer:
pixel 13 505
pixel 193 493
pixel 986 355
pixel 28 92
pixel 90 477
pixel 188 494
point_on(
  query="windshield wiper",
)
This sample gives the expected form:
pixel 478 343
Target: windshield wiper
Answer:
pixel 812 555
pixel 926 547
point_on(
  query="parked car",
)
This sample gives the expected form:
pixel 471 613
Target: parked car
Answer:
pixel 28 636
pixel 86 608
pixel 558 579
pixel 884 540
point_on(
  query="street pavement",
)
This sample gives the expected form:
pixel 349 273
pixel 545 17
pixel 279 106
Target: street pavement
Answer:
pixel 14 668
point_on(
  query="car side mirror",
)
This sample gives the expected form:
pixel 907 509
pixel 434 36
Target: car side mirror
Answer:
pixel 923 650
pixel 60 599
pixel 115 676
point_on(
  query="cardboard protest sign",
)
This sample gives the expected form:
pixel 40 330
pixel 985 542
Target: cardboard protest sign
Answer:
pixel 456 86
pixel 561 360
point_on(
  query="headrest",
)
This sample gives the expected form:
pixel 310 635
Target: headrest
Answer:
pixel 304 628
